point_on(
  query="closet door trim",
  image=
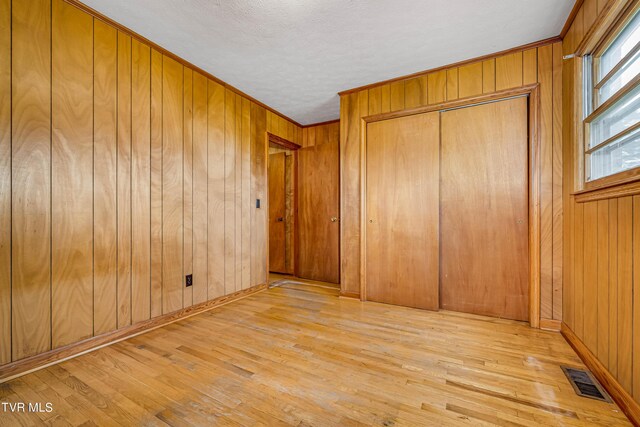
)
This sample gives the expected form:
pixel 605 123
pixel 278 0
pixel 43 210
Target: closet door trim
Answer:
pixel 535 172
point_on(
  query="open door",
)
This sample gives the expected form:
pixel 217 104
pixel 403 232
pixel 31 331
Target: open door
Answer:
pixel 318 212
pixel 277 212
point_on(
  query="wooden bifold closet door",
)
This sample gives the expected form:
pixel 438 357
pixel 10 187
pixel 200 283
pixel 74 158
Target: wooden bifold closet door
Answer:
pixel 484 209
pixel 402 211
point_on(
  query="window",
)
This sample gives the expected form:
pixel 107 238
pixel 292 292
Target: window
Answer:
pixel 612 102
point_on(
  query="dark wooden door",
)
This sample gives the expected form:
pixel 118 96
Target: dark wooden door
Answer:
pixel 277 213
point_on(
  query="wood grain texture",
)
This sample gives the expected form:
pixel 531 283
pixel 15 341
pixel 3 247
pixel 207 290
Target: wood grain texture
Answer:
pixel 470 79
pixel 612 284
pixel 590 292
pixel 187 185
pixel 5 182
pixel 216 177
pixel 71 175
pixel 124 179
pixel 397 96
pixel 140 181
pixel 230 188
pixel 489 76
pixel 260 217
pixel 635 350
pixel 602 294
pixel 105 264
pixel 31 184
pixel 277 196
pixel 544 73
pixel 172 177
pixel 530 65
pixel 146 379
pixel 558 203
pixel 625 293
pixel 125 128
pixel 509 71
pixel 402 178
pixel 415 93
pixel 578 263
pixel 200 190
pixel 247 199
pixel 156 182
pixel 452 84
pixel 494 278
pixel 318 205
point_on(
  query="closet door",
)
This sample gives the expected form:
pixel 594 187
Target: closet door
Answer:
pixel 484 210
pixel 402 211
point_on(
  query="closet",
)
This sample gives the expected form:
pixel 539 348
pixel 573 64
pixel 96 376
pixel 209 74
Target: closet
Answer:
pixel 446 210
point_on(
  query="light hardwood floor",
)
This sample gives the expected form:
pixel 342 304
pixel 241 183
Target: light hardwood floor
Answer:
pixel 298 355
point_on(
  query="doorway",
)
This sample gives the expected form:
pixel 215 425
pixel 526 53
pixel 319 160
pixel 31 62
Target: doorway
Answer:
pixel 282 173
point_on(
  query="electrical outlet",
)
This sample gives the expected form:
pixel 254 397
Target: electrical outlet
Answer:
pixel 189 280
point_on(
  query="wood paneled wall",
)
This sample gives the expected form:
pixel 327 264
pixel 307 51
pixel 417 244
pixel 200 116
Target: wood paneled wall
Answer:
pixel 320 134
pixel 601 238
pixel 121 171
pixel 543 65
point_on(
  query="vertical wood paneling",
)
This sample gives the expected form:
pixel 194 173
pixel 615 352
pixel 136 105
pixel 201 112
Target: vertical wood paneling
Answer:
pixel 259 185
pixel 558 217
pixel 612 310
pixel 625 291
pixel 452 84
pixel 590 291
pixel 437 87
pixel 230 190
pixel 237 239
pixel 375 101
pixel 71 174
pixel 245 276
pixel 112 180
pixel 31 185
pixel 104 178
pixel 187 183
pixel 578 262
pixel 509 71
pixel 140 182
pixel 385 98
pixel 156 183
pixel 602 295
pixel 124 180
pixel 216 218
pixel 200 189
pixel 635 349
pixel 415 92
pixel 530 65
pixel 489 76
pixel 545 76
pixel 397 95
pixel 470 79
pixel 172 174
pixel 5 182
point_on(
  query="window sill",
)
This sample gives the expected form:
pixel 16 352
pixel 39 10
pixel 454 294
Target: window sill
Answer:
pixel 622 184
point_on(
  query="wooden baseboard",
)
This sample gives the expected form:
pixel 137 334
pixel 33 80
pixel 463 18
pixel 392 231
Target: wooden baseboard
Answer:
pixel 550 325
pixel 40 361
pixel 352 295
pixel 630 407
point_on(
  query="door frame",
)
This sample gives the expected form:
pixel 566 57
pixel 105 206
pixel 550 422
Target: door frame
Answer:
pixel 293 147
pixel 532 92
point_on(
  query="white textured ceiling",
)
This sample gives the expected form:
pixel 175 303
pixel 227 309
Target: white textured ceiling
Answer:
pixel 295 55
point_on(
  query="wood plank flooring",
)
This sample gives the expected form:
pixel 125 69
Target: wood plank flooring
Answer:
pixel 298 355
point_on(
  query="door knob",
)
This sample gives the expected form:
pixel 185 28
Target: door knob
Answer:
pixel 335 219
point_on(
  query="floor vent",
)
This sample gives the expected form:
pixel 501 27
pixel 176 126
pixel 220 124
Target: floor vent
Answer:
pixel 585 384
